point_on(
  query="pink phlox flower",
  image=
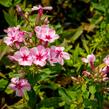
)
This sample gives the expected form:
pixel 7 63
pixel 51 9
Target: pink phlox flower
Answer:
pixel 14 35
pixel 57 54
pixel 20 86
pixel 90 59
pixel 46 34
pixel 106 60
pixel 39 55
pixel 40 9
pixel 52 56
pixel 23 57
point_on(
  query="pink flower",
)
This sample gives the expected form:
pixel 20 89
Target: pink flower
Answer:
pixel 23 57
pixel 90 59
pixel 52 56
pixel 40 9
pixel 57 54
pixel 45 33
pixel 20 86
pixel 39 55
pixel 106 60
pixel 14 35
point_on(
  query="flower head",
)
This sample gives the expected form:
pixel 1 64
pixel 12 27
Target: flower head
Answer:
pixel 23 57
pixel 57 55
pixel 14 35
pixel 39 55
pixel 20 86
pixel 45 33
pixel 40 9
pixel 90 59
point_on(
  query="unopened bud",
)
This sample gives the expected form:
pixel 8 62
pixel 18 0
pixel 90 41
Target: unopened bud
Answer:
pixel 86 73
pixel 18 8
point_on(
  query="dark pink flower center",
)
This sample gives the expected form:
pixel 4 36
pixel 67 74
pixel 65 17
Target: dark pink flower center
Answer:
pixel 58 53
pixel 39 57
pixel 18 85
pixel 40 11
pixel 25 58
pixel 48 37
pixel 12 38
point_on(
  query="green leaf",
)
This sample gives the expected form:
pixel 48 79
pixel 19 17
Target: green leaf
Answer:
pixel 76 53
pixel 16 2
pixel 32 99
pixel 84 86
pixel 85 45
pixel 6 3
pixel 92 89
pixel 9 91
pixel 47 71
pixel 50 102
pixel 19 105
pixel 73 106
pixel 3 84
pixel 10 19
pixel 92 97
pixel 64 95
pixel 77 34
pixel 86 94
pixel 3 50
pixel 98 7
pixel 72 94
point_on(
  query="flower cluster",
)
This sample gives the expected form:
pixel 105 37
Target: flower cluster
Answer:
pixel 20 86
pixel 37 53
pixel 15 36
pixel 46 34
pixel 40 54
pixel 98 74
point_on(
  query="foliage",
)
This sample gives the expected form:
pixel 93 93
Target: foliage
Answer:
pixel 82 31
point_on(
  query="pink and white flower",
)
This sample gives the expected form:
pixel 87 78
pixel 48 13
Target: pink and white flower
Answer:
pixel 45 33
pixel 39 55
pixel 57 55
pixel 52 57
pixel 23 57
pixel 14 35
pixel 90 59
pixel 20 86
pixel 40 9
